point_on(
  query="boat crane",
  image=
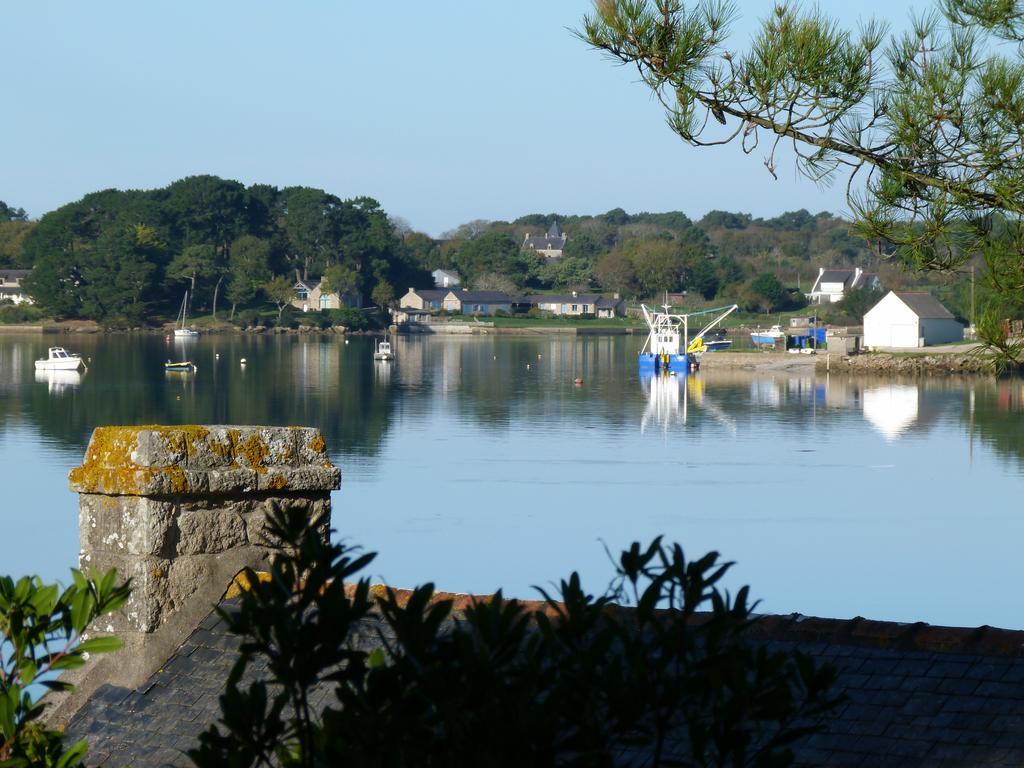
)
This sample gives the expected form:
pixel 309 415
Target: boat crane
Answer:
pixel 668 346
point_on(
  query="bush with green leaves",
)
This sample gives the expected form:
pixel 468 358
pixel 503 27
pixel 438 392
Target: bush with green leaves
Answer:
pixel 349 317
pixel 20 313
pixel 659 663
pixel 42 633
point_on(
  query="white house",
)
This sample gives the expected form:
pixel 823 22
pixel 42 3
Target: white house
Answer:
pixel 10 286
pixel 444 278
pixel 832 284
pixel 908 320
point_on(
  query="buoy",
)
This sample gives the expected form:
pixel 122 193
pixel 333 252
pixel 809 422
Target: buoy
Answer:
pixel 346 341
pixel 216 356
pixel 538 355
pixel 527 366
pixel 495 357
pixel 242 361
pixel 579 382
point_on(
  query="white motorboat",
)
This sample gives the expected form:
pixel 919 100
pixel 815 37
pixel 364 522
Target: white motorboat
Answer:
pixel 762 337
pixel 383 351
pixel 59 359
pixel 180 331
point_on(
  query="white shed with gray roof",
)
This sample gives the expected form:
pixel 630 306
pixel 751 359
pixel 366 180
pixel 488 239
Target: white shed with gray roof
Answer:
pixel 910 319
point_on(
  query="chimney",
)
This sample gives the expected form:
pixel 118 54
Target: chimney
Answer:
pixel 181 510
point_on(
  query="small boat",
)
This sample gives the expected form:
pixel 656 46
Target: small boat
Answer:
pixel 767 337
pixel 182 366
pixel 59 359
pixel 181 332
pixel 716 345
pixel 383 351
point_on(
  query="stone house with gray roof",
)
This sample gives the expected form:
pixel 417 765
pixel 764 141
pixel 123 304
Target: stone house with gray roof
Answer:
pixel 575 304
pixel 314 296
pixel 549 245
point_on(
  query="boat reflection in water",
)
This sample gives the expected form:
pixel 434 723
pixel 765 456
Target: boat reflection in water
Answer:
pixel 58 382
pixel 667 399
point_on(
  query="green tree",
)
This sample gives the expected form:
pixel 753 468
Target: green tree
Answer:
pixel 12 239
pixel 702 277
pixel 193 262
pixel 493 253
pixel 659 265
pixel 573 682
pixel 614 271
pixel 280 290
pixel 858 301
pixel 932 120
pixel 249 269
pixel 383 294
pixel 7 213
pixel 41 633
pixel 342 279
pixel 766 292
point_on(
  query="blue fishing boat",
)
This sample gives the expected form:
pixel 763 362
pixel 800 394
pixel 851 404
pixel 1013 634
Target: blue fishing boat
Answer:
pixel 668 347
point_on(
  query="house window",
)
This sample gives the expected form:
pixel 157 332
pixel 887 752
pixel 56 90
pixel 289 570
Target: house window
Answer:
pixel 575 307
pixel 325 302
pixel 302 293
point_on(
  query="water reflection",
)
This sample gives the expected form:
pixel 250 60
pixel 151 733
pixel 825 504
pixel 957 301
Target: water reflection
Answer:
pixel 466 452
pixel 891 409
pixel 59 382
pixel 667 400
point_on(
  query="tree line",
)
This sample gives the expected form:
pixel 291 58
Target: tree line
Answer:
pixel 764 263
pixel 129 255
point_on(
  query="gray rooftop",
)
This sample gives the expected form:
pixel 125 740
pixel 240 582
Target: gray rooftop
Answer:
pixel 564 298
pixel 916 695
pixel 924 305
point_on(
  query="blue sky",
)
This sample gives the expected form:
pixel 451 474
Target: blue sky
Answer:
pixel 445 111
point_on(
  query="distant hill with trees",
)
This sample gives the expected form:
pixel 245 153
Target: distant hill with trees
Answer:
pixel 766 264
pixel 126 256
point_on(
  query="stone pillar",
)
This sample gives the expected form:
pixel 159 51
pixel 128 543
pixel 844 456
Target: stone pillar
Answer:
pixel 182 509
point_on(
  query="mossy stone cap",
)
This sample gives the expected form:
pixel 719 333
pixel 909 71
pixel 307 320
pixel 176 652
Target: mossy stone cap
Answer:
pixel 201 460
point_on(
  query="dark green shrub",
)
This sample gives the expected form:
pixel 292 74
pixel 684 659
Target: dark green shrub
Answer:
pixel 20 313
pixel 349 317
pixel 574 680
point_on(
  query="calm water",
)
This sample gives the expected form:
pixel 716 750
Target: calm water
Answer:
pixel 476 463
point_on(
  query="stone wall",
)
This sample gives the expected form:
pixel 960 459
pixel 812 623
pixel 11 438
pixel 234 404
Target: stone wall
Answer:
pixel 181 509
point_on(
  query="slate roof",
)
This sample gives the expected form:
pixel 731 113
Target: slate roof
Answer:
pixel 924 305
pixel 565 298
pixel 554 240
pixel 432 294
pixel 13 275
pixel 484 297
pixel 916 695
pixel 836 276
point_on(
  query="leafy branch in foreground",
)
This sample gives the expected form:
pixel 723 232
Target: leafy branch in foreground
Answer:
pixel 934 119
pixel 42 633
pixel 659 664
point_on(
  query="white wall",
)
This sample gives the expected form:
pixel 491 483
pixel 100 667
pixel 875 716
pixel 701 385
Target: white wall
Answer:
pixel 891 323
